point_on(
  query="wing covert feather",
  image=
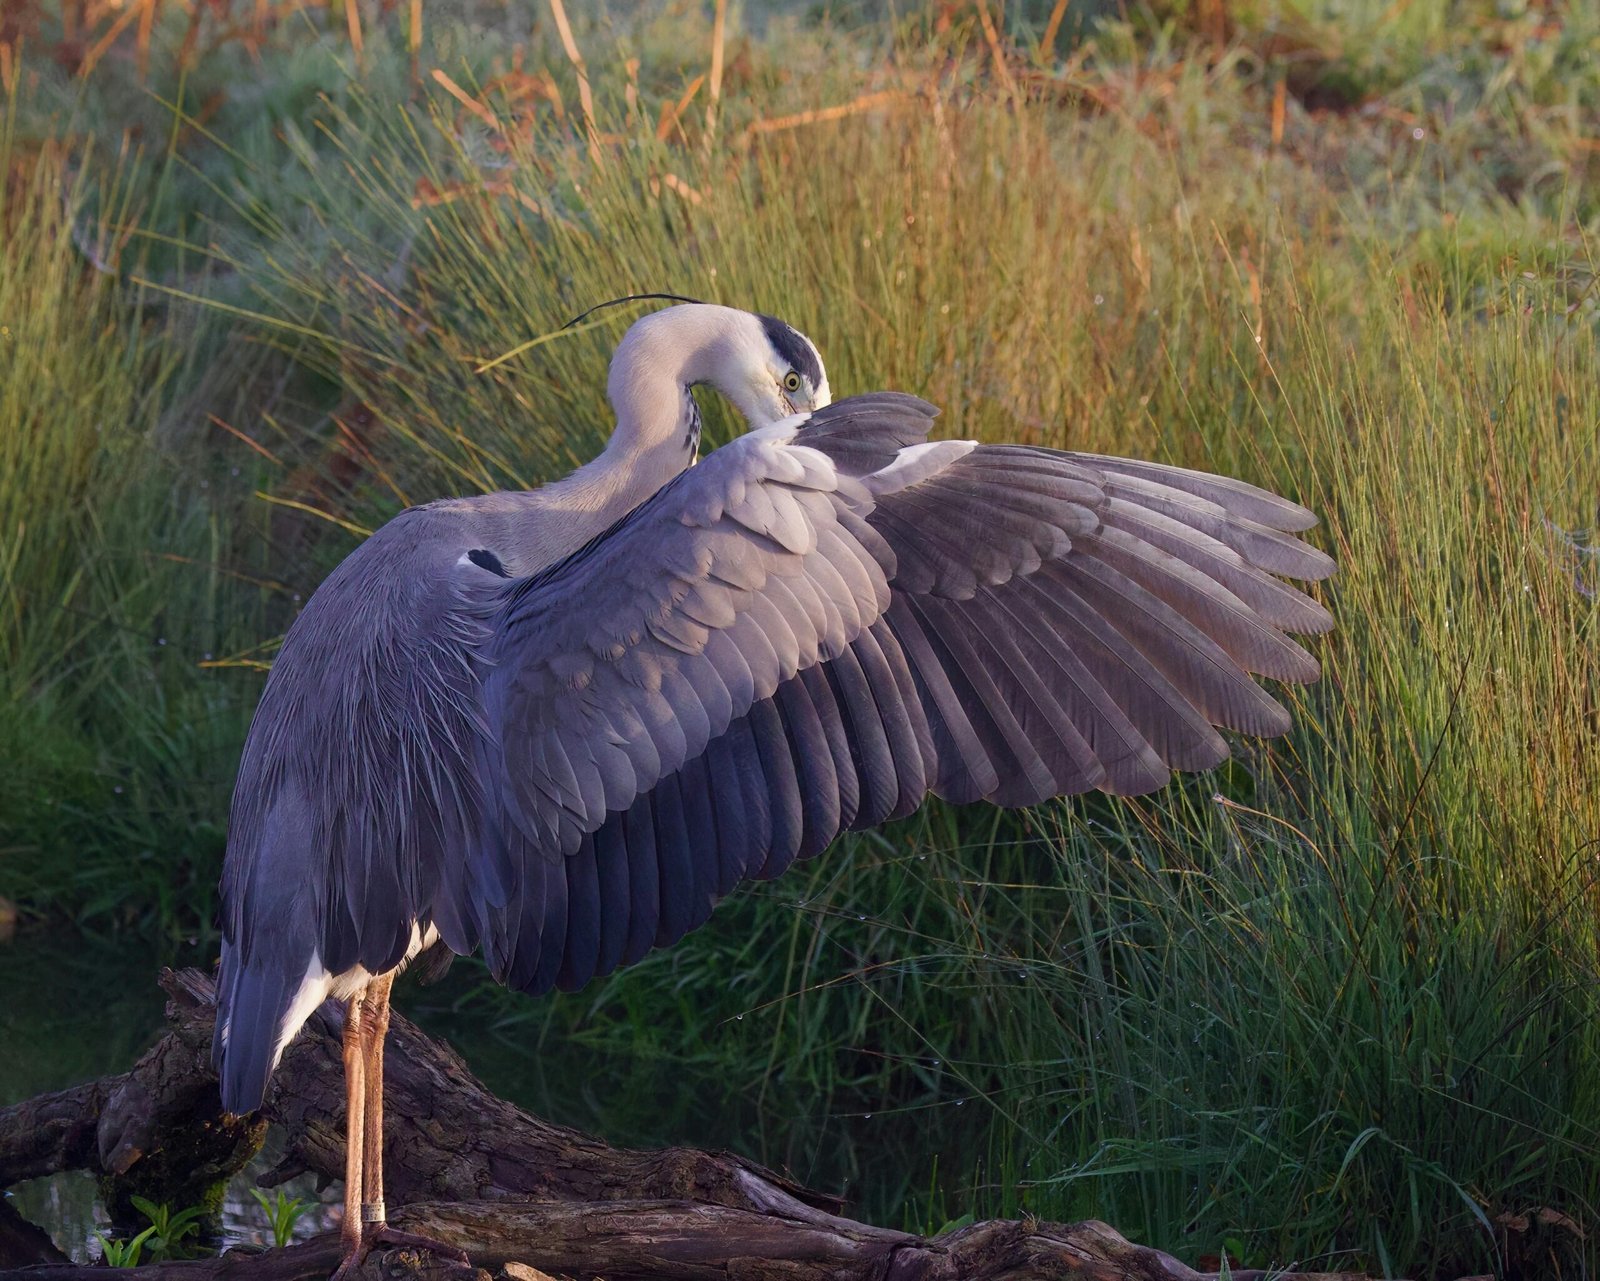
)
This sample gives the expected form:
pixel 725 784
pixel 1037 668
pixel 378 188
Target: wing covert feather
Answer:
pixel 825 621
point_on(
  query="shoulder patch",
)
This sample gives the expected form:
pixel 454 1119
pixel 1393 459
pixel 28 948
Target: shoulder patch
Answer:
pixel 483 558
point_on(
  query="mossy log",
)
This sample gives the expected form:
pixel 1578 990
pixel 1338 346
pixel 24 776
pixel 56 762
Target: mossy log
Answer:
pixel 521 1196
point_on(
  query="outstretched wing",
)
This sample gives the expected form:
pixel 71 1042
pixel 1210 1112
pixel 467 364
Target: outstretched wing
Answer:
pixel 826 620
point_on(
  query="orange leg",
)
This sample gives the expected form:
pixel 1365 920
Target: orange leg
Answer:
pixel 375 1027
pixel 354 1148
pixel 370 1213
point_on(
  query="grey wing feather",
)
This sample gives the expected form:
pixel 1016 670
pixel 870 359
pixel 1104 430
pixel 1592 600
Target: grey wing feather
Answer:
pixel 600 667
pixel 815 628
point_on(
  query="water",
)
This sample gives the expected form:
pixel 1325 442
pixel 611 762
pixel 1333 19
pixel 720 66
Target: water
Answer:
pixel 76 1009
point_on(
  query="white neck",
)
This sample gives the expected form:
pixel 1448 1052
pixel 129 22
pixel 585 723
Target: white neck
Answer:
pixel 658 360
pixel 658 425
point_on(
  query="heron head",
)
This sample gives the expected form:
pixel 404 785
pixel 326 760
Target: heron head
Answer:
pixel 768 369
pixel 785 374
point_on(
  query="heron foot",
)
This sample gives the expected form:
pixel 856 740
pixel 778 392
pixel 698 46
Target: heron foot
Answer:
pixel 351 1263
pixel 382 1236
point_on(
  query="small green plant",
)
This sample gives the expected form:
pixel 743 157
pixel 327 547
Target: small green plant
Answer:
pixel 955 1225
pixel 282 1214
pixel 123 1254
pixel 167 1231
pixel 1236 1253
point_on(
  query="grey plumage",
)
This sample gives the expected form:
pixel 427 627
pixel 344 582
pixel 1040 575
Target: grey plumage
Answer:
pixel 559 726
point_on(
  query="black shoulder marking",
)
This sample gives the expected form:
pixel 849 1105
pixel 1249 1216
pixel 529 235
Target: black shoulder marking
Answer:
pixel 788 343
pixel 483 558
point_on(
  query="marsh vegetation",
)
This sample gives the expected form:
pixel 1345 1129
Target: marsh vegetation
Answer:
pixel 261 287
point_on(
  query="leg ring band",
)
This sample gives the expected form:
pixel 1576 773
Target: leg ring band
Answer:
pixel 373 1212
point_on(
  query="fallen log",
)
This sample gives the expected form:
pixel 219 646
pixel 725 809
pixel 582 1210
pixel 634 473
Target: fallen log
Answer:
pixel 22 1242
pixel 448 1137
pixel 523 1197
pixel 679 1241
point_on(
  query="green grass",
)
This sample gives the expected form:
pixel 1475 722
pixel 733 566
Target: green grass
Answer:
pixel 110 742
pixel 1334 1003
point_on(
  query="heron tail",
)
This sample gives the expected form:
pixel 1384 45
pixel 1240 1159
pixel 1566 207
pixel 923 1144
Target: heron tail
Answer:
pixel 254 1008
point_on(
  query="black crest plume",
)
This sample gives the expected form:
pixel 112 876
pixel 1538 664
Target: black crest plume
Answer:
pixel 617 302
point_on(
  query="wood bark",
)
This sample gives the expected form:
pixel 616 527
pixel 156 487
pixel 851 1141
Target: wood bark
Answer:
pixel 22 1242
pixel 523 1197
pixel 448 1137
pixel 681 1241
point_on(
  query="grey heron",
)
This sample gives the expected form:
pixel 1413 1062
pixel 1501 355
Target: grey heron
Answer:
pixel 557 726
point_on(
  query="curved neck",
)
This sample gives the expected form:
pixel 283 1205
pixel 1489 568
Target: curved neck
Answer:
pixel 665 353
pixel 657 435
pixel 651 373
pixel 658 360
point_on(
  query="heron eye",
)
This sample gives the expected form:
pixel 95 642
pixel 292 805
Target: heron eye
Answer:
pixel 791 381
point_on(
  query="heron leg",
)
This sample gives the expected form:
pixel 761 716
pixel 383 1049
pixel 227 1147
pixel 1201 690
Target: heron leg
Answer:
pixel 373 1214
pixel 374 1028
pixel 354 1116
